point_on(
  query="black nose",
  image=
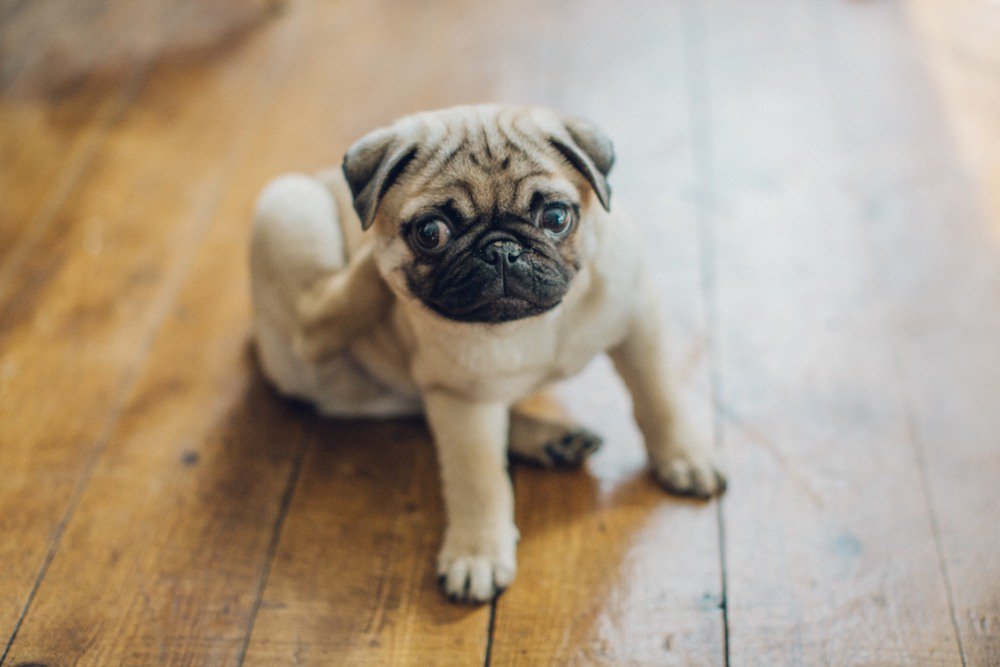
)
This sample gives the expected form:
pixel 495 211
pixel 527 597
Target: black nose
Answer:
pixel 505 252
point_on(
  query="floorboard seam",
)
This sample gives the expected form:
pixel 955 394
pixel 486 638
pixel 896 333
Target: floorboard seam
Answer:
pixel 920 456
pixel 701 153
pixel 60 528
pixel 488 657
pixel 491 625
pixel 279 521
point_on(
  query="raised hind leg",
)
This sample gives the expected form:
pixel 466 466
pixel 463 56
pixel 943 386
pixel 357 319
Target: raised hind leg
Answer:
pixel 310 303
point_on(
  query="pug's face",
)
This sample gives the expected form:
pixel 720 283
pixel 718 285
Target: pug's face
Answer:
pixel 481 212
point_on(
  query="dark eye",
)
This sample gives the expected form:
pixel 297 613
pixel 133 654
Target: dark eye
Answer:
pixel 431 235
pixel 556 219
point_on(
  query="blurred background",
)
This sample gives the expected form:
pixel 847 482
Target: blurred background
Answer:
pixel 818 183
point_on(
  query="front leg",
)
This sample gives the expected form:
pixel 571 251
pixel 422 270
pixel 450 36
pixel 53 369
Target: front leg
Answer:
pixel 477 559
pixel 683 462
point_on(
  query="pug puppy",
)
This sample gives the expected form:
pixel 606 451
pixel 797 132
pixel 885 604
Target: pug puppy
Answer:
pixel 461 260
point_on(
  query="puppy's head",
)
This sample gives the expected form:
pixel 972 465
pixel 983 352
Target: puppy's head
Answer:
pixel 481 213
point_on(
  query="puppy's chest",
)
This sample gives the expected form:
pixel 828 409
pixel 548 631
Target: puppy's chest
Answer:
pixel 506 366
pixel 497 365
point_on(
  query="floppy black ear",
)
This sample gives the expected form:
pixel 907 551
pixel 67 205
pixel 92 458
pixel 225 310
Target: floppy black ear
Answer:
pixel 591 153
pixel 371 166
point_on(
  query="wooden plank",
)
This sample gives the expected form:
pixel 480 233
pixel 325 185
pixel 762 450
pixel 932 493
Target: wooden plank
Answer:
pixel 353 579
pixel 830 551
pixel 45 149
pixel 612 570
pixel 200 464
pixel 937 247
pixel 80 316
pixel 162 560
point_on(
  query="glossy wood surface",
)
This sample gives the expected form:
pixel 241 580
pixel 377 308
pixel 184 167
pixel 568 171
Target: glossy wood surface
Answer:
pixel 819 184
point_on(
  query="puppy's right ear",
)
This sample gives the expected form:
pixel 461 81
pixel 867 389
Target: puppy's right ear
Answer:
pixel 371 166
pixel 591 153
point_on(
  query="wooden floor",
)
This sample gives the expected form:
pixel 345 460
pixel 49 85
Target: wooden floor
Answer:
pixel 820 186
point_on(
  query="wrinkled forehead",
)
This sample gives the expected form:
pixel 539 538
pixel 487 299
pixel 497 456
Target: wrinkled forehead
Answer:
pixel 488 166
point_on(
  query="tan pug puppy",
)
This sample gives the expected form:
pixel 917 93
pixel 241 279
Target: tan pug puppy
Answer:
pixel 490 266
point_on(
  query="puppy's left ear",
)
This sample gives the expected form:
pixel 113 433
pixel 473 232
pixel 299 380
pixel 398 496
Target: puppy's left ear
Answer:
pixel 591 153
pixel 372 165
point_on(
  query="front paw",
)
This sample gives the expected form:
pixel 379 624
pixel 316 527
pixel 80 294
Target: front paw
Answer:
pixel 698 475
pixel 475 566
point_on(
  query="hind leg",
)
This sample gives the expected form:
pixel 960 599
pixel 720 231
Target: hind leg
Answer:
pixel 543 433
pixel 309 303
pixel 296 243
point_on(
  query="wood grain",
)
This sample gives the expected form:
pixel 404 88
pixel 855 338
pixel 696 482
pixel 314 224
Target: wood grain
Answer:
pixel 818 183
pixel 77 324
pixel 46 147
pixel 938 247
pixel 830 549
pixel 201 495
pixel 353 580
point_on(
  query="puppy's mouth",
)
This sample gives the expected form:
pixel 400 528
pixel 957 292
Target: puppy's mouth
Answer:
pixel 502 309
pixel 503 283
pixel 501 300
